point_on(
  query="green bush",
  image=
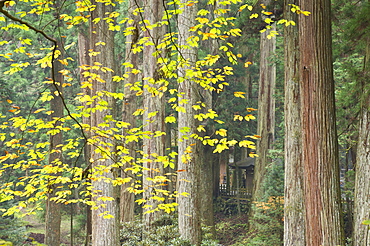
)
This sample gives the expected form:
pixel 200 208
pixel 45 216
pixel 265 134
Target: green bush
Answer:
pixel 229 207
pixel 165 233
pixel 269 212
pixel 11 228
pixel 132 233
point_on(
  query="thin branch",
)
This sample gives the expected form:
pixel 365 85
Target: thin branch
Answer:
pixel 7 14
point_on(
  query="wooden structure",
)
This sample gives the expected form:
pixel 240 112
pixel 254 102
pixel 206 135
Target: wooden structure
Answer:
pixel 236 179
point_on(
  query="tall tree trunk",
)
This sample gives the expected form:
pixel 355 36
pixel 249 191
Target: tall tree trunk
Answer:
pixel 189 148
pixel 53 208
pixel 294 213
pixel 105 231
pixel 208 159
pixel 127 199
pixel 324 225
pixel 361 232
pixel 206 186
pixel 83 59
pixel 266 108
pixel 153 104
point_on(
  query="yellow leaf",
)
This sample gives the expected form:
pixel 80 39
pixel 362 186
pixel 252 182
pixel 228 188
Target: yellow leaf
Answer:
pixel 239 94
pixel 246 143
pixel 249 117
pixel 247 64
pixel 202 20
pixel 238 117
pixel 39 110
pixel 170 119
pixel 268 21
pixel 196 107
pixel 251 109
pixel 290 23
pixel 253 155
pixel 201 128
pixel 9 3
pixel 222 132
pixel 96 20
pixel 64 62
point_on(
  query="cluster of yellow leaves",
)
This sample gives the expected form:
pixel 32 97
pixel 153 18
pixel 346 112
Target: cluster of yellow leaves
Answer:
pixel 272 203
pixel 296 9
pixel 32 157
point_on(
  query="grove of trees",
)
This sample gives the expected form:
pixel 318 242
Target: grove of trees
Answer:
pixel 124 119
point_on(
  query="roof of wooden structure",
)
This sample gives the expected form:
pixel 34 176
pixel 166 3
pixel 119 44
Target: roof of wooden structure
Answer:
pixel 246 163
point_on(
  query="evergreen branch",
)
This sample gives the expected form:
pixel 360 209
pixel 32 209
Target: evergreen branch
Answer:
pixel 13 18
pixel 55 42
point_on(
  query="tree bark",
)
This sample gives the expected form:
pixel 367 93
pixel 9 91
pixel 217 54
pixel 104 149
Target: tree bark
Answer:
pixel 105 231
pixel 361 233
pixel 266 109
pixel 53 208
pixel 324 224
pixel 127 200
pixel 208 159
pixel 206 186
pixel 83 59
pixel 189 149
pixel 153 103
pixel 294 212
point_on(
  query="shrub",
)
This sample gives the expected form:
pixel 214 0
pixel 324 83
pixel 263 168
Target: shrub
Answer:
pixel 164 233
pixel 269 212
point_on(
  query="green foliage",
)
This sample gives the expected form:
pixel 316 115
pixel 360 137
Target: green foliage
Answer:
pixel 232 230
pixel 164 233
pixel 269 212
pixel 229 207
pixel 12 229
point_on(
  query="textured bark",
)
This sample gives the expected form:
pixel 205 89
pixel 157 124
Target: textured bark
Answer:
pixel 319 139
pixel 208 159
pixel 189 150
pixel 247 81
pixel 207 168
pixel 83 59
pixel 153 102
pixel 361 233
pixel 266 109
pixel 53 209
pixel 105 232
pixel 127 199
pixel 294 213
pixel 206 187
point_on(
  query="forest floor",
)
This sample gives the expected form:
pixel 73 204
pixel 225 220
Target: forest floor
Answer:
pixel 36 230
pixel 231 229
